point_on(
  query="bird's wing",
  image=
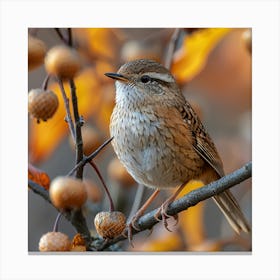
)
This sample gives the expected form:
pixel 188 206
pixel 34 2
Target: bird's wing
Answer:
pixel 202 142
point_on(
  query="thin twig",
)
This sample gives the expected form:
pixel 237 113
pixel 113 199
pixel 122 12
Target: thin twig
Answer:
pixel 112 207
pixel 171 48
pixel 45 82
pixel 192 198
pixel 88 158
pixel 55 227
pixel 68 117
pixel 78 131
pixel 61 36
pixel 70 41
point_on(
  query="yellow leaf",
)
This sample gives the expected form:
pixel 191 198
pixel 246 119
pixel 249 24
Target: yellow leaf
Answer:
pixel 192 56
pixel 192 219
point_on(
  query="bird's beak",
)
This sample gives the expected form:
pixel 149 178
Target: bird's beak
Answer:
pixel 117 77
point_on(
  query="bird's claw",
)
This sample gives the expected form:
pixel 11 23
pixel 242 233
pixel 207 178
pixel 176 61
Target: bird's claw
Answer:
pixel 162 215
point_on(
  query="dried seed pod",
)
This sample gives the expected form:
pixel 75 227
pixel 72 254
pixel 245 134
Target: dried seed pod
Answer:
pixel 67 192
pixel 36 52
pixel 42 104
pixel 54 241
pixel 110 224
pixel 63 61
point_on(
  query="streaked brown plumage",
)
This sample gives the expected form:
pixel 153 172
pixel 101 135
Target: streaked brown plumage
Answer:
pixel 160 139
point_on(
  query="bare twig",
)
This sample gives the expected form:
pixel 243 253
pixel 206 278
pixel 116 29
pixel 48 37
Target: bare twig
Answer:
pixel 45 82
pixel 61 36
pixel 78 131
pixel 112 207
pixel 192 198
pixel 87 159
pixel 68 117
pixel 171 48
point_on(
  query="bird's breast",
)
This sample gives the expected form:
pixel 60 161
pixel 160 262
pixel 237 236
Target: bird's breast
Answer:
pixel 149 149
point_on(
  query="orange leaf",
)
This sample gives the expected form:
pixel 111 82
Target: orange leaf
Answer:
pixel 192 57
pixel 46 136
pixel 38 176
pixel 100 41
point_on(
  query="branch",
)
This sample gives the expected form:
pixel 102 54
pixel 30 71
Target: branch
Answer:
pixel 191 199
pixel 78 131
pixel 68 117
pixel 87 159
pixel 75 216
pixel 171 48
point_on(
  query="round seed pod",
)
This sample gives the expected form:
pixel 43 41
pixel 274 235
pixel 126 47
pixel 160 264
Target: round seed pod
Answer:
pixel 67 192
pixel 63 61
pixel 118 173
pixel 42 104
pixel 54 241
pixel 36 52
pixel 110 224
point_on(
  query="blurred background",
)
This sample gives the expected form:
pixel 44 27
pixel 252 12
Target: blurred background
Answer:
pixel 213 68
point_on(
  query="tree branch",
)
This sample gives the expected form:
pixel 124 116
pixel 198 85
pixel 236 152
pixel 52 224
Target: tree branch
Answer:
pixel 148 220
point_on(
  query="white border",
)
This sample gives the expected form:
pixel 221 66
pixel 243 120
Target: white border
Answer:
pixel 263 16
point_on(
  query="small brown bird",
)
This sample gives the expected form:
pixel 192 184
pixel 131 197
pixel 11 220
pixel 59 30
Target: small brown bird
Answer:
pixel 160 139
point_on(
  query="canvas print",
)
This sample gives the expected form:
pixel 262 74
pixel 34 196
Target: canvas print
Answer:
pixel 139 140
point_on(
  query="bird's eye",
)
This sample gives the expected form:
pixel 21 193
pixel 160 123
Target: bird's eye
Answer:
pixel 145 79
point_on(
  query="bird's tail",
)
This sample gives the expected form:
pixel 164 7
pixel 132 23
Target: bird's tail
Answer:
pixel 230 208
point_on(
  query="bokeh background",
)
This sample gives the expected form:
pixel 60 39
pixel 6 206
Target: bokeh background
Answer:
pixel 213 68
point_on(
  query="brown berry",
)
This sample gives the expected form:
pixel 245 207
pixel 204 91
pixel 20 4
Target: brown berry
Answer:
pixel 42 104
pixel 36 52
pixel 67 192
pixel 54 241
pixel 118 173
pixel 91 140
pixel 63 61
pixel 109 224
pixel 93 191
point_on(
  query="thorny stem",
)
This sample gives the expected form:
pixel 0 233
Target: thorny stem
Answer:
pixel 78 131
pixel 67 108
pixel 112 207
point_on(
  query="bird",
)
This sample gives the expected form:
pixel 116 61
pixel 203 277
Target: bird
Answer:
pixel 160 139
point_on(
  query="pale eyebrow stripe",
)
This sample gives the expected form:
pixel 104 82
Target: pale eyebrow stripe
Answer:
pixel 160 76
